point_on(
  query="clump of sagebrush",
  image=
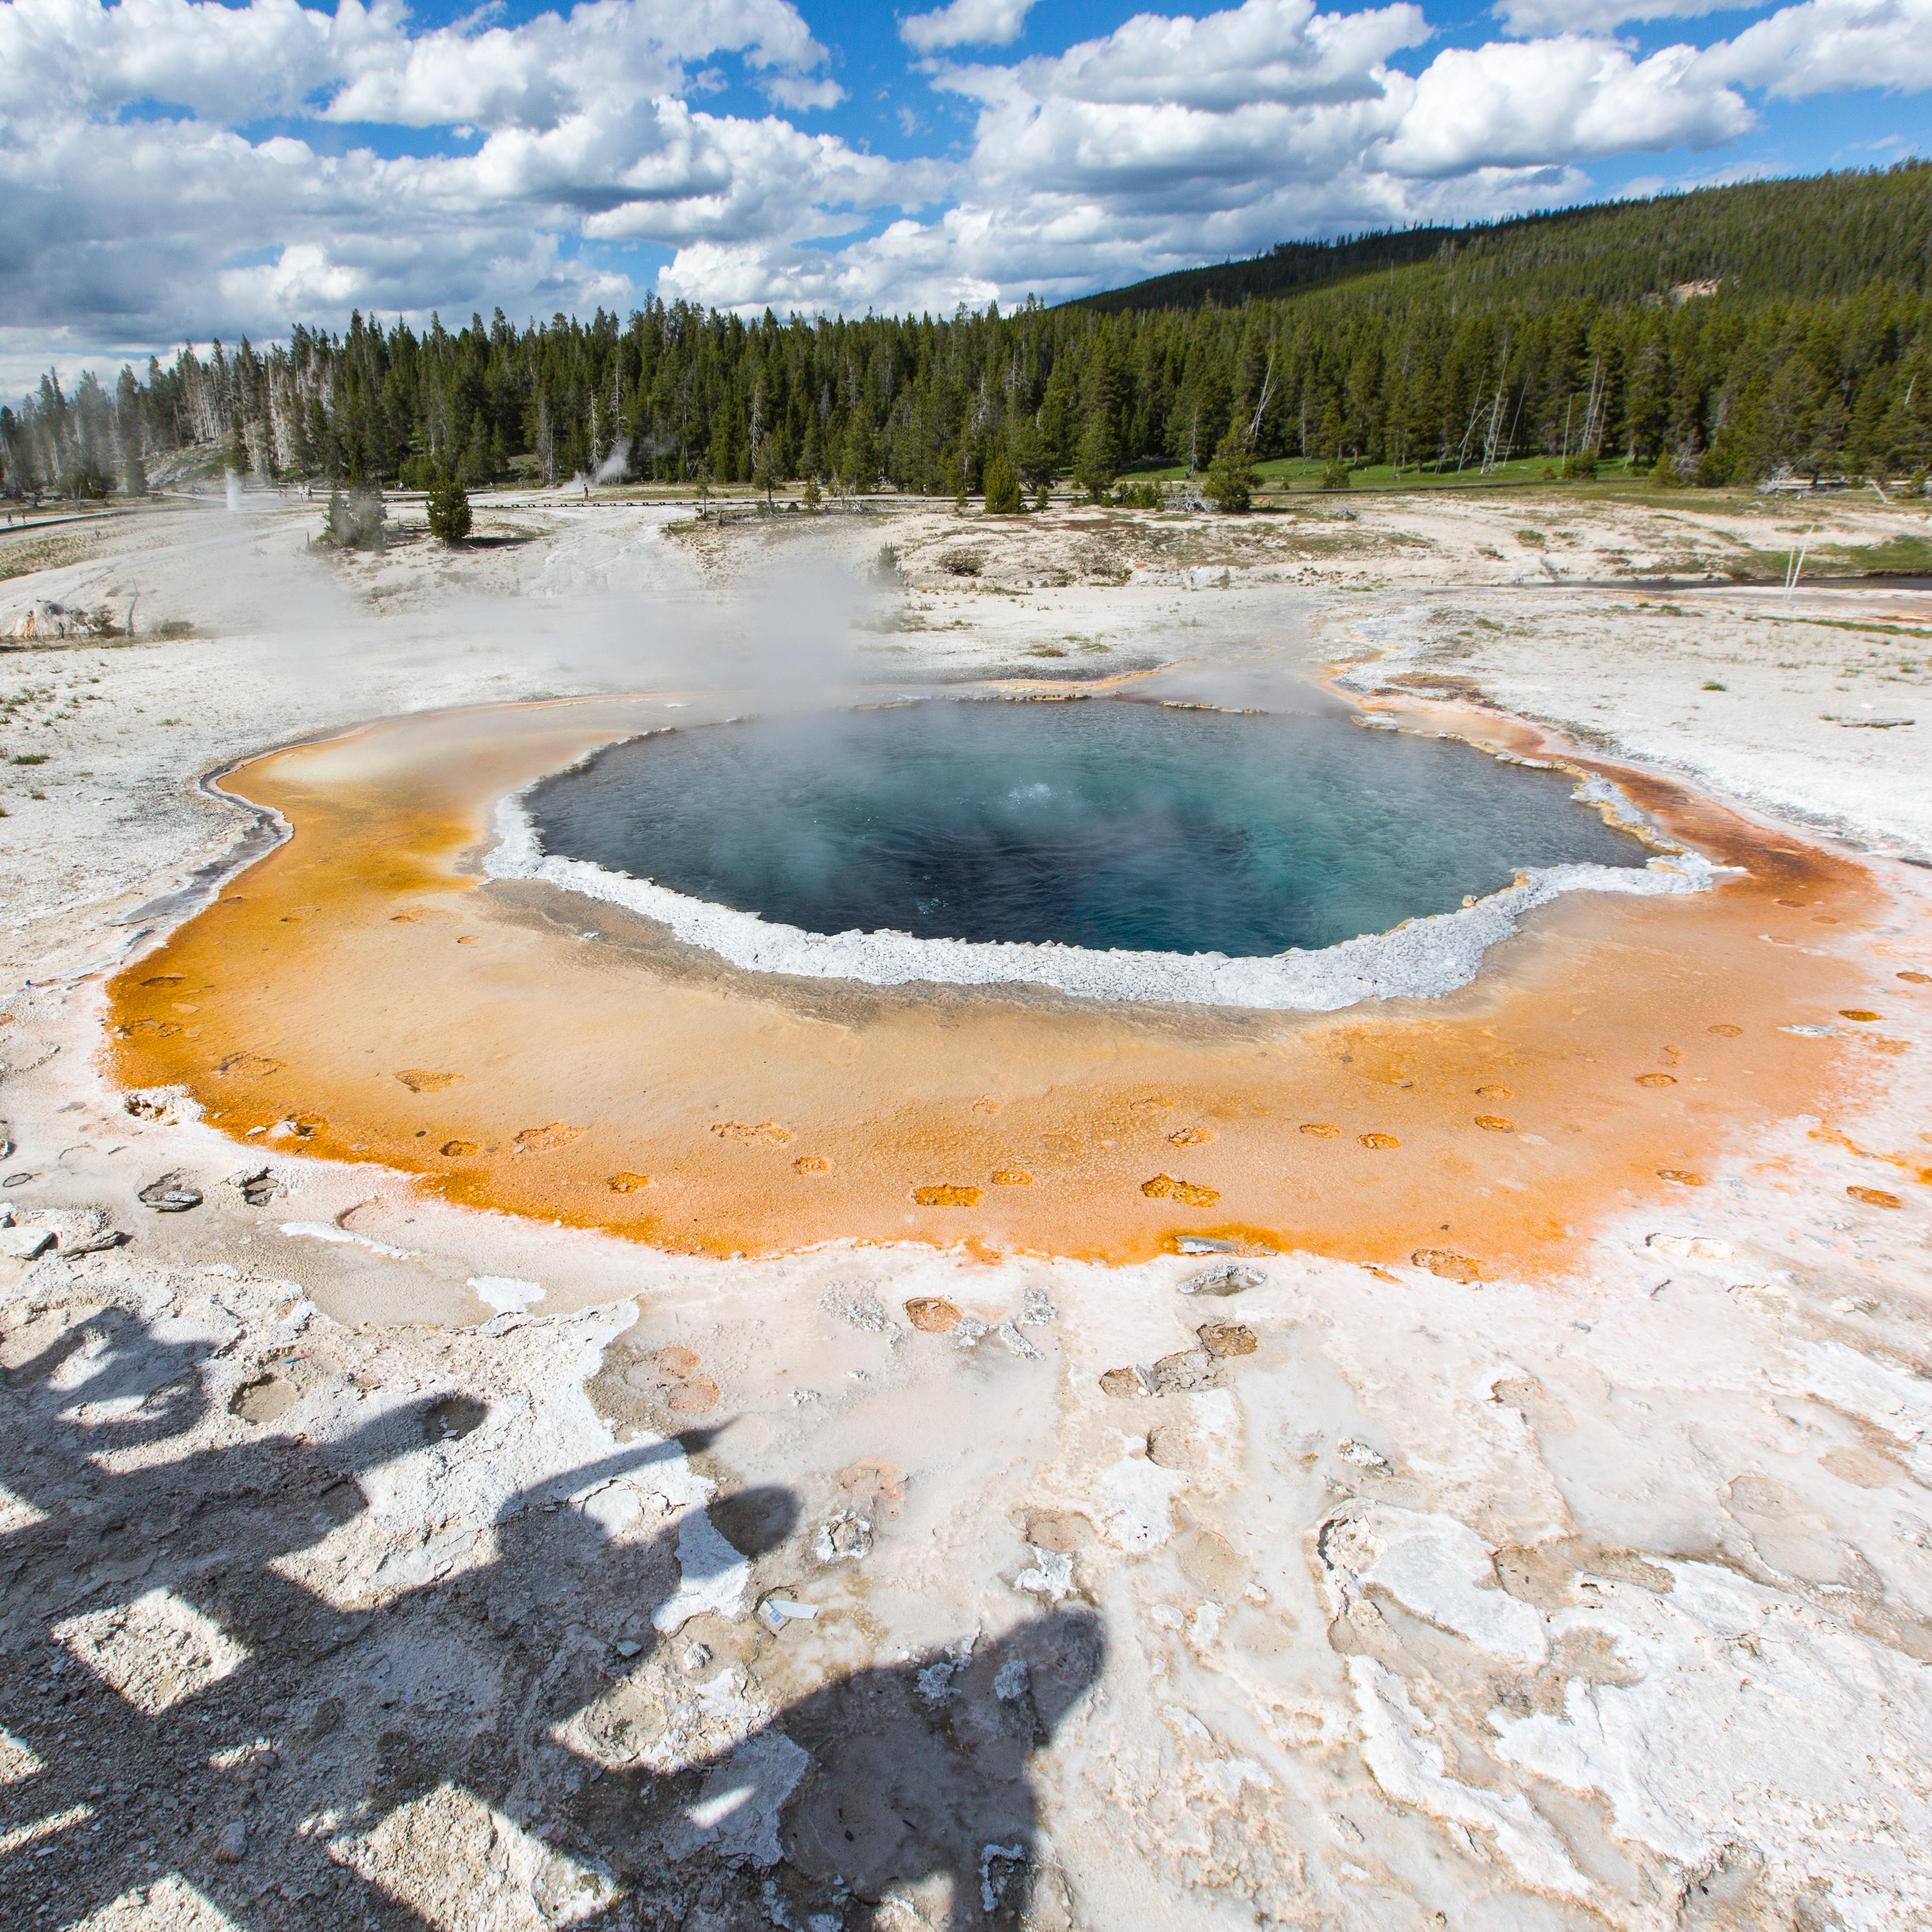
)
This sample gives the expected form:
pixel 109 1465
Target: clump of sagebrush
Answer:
pixel 448 508
pixel 1336 476
pixel 354 519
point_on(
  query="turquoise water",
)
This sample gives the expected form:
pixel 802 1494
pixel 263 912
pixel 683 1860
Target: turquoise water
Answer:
pixel 1099 824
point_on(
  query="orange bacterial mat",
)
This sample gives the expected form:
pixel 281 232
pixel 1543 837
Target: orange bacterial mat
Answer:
pixel 364 993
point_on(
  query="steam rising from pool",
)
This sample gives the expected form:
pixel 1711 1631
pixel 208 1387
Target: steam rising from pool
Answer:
pixel 1094 824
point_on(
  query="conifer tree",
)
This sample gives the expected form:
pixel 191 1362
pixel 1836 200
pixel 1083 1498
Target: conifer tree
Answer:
pixel 1099 459
pixel 1003 486
pixel 448 508
pixel 1230 486
pixel 1746 329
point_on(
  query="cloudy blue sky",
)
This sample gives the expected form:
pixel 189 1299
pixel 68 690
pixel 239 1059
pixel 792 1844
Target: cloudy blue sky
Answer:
pixel 177 169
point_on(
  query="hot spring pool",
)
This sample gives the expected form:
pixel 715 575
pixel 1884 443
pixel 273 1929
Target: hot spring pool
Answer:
pixel 1099 824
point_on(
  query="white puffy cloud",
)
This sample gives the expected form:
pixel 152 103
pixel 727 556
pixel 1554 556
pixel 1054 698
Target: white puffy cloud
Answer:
pixel 966 23
pixel 911 266
pixel 532 75
pixel 1271 106
pixel 1177 139
pixel 1828 46
pixel 148 232
pixel 136 206
pixel 1517 103
pixel 1601 17
pixel 802 93
pixel 132 229
pixel 233 64
pixel 222 63
pixel 659 171
pixel 1064 247
pixel 1263 50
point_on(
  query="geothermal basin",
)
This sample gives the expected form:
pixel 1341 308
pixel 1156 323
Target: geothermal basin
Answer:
pixel 1102 825
pixel 564 960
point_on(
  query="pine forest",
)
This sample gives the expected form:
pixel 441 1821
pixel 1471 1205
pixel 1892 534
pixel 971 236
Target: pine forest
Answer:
pixel 1721 336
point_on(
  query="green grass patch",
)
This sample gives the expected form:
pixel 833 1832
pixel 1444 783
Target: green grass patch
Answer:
pixel 1907 556
pixel 1918 634
pixel 1902 553
pixel 1293 475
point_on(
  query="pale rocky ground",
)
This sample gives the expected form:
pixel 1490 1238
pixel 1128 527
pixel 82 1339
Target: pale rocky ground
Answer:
pixel 336 1588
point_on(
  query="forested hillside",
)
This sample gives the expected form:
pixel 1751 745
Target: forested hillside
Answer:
pixel 1826 235
pixel 1725 334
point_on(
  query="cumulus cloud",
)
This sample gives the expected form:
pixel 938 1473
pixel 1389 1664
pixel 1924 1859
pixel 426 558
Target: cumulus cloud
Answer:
pixel 1058 247
pixel 1245 113
pixel 1265 50
pixel 1828 46
pixel 802 93
pixel 966 23
pixel 234 64
pixel 218 62
pixel 1175 139
pixel 1518 103
pixel 135 229
pixel 1602 16
pixel 154 231
pixel 140 203
pixel 532 75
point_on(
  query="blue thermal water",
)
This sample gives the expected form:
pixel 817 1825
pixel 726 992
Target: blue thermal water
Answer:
pixel 1100 824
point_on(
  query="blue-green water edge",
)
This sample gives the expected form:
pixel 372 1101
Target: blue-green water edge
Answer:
pixel 1099 824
